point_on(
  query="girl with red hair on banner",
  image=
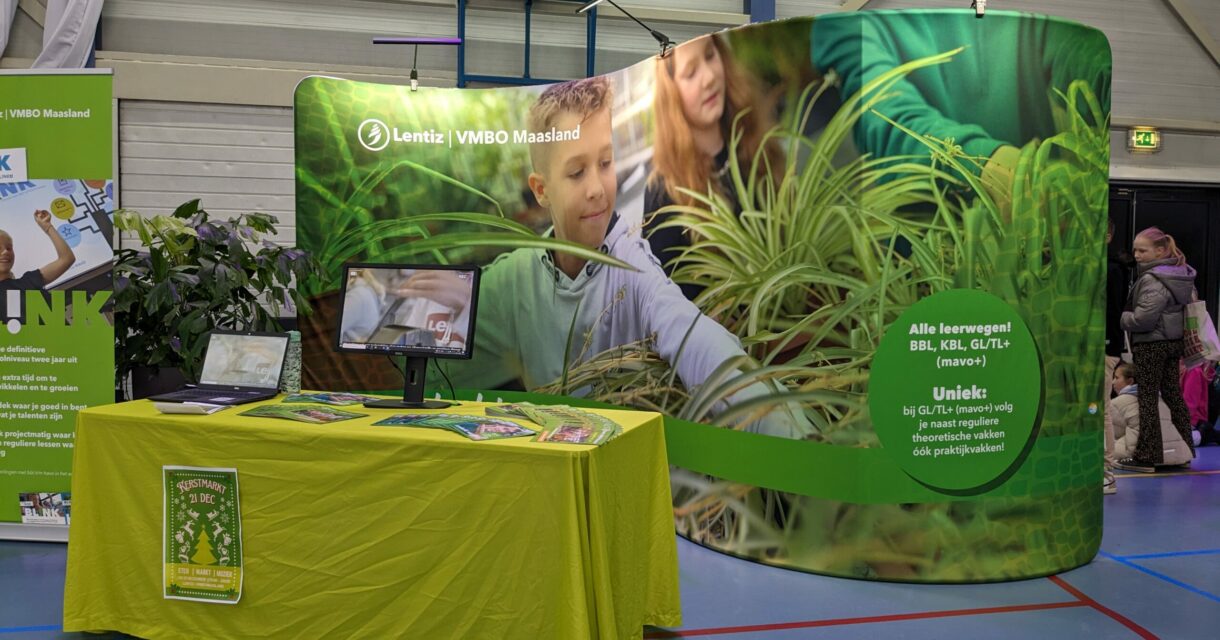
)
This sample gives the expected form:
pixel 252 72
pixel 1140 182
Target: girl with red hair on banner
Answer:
pixel 701 95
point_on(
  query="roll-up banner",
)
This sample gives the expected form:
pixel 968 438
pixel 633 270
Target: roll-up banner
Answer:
pixel 856 260
pixel 56 330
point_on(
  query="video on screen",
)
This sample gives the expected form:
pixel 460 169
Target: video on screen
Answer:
pixel 243 360
pixel 401 310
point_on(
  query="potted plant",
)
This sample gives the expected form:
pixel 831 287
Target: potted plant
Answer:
pixel 194 274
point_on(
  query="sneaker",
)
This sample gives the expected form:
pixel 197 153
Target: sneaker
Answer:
pixel 1131 464
pixel 1207 434
pixel 1109 488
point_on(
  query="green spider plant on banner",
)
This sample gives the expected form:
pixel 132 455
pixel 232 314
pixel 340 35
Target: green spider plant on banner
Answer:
pixel 810 275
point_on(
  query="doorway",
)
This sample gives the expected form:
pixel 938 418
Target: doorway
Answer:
pixel 1190 214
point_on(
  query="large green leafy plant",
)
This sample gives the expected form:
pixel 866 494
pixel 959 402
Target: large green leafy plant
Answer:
pixel 194 274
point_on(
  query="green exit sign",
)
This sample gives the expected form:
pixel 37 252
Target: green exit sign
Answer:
pixel 1144 139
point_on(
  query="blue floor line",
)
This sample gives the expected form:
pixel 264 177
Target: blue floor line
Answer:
pixel 1155 574
pixel 46 627
pixel 1171 554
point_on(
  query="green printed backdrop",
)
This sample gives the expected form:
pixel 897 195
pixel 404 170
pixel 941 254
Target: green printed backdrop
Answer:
pixel 923 152
pixel 57 343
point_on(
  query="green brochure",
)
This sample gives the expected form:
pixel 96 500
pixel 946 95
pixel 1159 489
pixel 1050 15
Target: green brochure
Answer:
pixel 202 535
pixel 561 423
pixel 312 415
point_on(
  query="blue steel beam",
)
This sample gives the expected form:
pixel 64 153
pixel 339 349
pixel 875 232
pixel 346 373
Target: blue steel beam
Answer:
pixel 461 61
pixel 759 10
pixel 463 78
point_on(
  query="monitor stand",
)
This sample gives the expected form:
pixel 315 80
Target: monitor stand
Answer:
pixel 412 390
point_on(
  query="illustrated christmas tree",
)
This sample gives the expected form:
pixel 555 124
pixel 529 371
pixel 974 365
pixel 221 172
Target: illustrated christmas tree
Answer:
pixel 203 550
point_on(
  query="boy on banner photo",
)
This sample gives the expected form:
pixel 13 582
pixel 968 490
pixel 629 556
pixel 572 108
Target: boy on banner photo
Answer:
pixel 14 277
pixel 76 214
pixel 34 278
pixel 531 299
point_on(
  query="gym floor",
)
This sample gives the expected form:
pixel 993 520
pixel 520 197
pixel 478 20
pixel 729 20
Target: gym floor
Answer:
pixel 1157 576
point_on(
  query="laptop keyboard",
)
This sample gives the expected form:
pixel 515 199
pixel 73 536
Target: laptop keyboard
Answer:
pixel 202 395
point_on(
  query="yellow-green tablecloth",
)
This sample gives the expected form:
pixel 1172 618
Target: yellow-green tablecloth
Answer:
pixel 351 530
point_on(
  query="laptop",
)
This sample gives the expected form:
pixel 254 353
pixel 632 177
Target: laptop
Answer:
pixel 238 367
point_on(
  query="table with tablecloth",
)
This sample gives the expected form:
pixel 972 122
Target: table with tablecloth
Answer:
pixel 355 530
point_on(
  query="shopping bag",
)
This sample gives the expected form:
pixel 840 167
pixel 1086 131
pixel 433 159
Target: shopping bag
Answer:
pixel 1200 344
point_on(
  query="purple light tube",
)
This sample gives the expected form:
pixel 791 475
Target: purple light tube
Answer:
pixel 388 40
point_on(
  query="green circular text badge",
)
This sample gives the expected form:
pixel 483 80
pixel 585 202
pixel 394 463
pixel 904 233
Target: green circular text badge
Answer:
pixel 954 390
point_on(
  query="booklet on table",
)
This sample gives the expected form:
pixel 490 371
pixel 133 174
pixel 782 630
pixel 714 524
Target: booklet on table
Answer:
pixel 338 399
pixel 312 415
pixel 473 427
pixel 561 423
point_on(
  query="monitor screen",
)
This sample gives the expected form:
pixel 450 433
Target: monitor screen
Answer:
pixel 244 359
pixel 422 310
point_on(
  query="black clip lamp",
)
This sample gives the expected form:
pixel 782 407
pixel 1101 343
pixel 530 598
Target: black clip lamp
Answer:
pixel 417 42
pixel 661 38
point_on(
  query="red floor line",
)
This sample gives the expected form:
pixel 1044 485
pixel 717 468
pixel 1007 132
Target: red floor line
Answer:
pixel 1124 620
pixel 779 626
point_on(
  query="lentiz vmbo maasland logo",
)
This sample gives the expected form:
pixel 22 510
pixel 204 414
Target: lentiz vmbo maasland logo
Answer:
pixel 374 135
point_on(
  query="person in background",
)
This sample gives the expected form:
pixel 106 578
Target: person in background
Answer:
pixel 1116 292
pixel 1125 415
pixel 700 92
pixel 1164 286
pixel 1195 381
pixel 1209 433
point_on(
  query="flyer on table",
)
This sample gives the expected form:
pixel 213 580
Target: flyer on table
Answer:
pixel 202 535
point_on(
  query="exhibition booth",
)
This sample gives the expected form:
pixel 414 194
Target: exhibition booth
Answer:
pixel 846 272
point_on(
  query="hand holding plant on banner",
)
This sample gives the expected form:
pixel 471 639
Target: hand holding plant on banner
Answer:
pixel 194 274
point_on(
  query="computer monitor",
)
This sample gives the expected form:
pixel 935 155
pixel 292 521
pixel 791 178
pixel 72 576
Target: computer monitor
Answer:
pixel 417 311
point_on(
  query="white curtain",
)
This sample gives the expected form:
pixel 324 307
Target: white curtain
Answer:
pixel 67 37
pixel 8 11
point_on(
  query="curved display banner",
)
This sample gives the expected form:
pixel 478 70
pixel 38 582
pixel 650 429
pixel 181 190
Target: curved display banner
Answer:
pixel 856 260
pixel 57 204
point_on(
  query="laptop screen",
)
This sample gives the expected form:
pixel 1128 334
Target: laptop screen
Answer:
pixel 238 360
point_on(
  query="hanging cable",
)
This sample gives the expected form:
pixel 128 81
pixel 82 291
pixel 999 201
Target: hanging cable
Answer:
pixel 415 70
